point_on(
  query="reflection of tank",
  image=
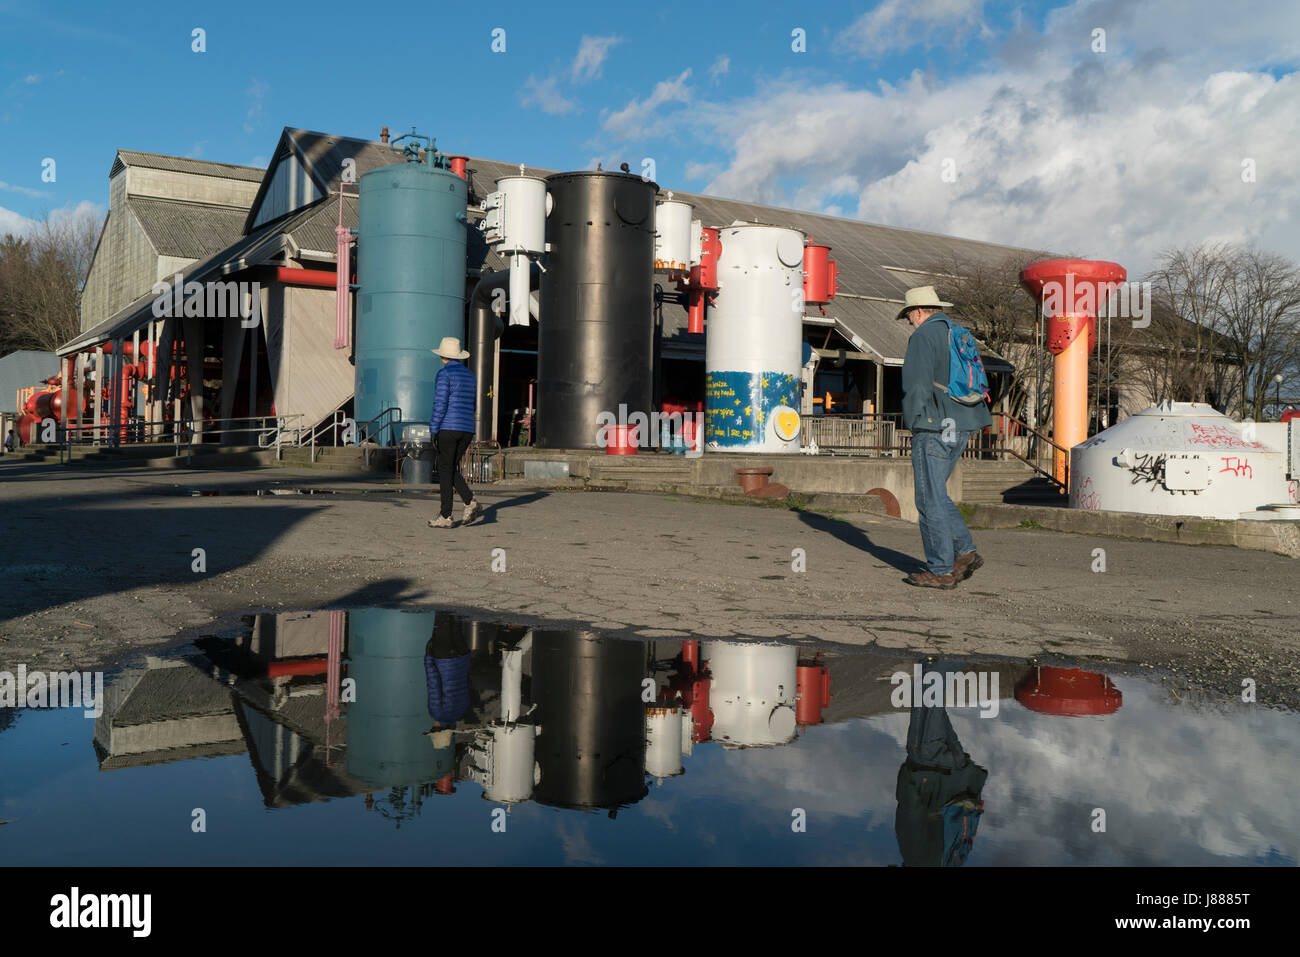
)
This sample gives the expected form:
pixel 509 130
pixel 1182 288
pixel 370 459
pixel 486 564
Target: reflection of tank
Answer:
pixel 753 692
pixel 665 740
pixel 814 691
pixel 388 723
pixel 502 755
pixel 691 683
pixel 1071 692
pixel 592 742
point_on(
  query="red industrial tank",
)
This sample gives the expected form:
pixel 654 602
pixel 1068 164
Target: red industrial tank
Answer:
pixel 1070 692
pixel 820 274
pixel 703 278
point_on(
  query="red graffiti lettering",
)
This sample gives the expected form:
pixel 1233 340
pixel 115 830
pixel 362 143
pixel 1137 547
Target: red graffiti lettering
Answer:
pixel 1293 490
pixel 1087 499
pixel 1237 467
pixel 1221 437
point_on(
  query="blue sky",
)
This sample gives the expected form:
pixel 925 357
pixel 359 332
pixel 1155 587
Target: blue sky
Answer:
pixel 1114 153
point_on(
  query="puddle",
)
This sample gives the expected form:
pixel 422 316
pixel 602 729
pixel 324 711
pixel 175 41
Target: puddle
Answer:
pixel 383 736
pixel 222 493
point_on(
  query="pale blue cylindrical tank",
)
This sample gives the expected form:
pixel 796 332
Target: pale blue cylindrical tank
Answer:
pixel 411 270
pixel 388 723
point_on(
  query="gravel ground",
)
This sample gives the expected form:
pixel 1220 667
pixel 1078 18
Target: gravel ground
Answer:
pixel 99 564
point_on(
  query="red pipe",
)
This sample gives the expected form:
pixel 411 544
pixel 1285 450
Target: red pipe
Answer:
pixel 308 666
pixel 305 277
pixel 458 165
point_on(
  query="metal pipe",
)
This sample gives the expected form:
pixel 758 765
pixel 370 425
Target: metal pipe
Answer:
pixel 306 277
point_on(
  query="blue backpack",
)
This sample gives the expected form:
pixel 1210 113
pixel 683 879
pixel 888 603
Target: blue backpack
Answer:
pixel 960 822
pixel 967 382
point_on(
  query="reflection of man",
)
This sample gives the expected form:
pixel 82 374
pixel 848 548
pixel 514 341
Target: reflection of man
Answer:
pixel 938 792
pixel 446 668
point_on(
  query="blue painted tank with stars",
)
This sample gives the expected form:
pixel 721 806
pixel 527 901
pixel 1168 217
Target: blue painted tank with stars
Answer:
pixel 754 341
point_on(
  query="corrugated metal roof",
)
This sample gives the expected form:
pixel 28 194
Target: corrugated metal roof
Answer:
pixel 314 228
pixel 248 251
pixel 184 164
pixel 187 230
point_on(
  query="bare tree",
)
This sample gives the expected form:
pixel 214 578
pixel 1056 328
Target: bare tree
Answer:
pixel 1261 323
pixel 41 278
pixel 1192 284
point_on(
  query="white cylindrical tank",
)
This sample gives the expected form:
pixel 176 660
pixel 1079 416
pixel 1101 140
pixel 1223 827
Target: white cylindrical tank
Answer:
pixel 1178 458
pixel 523 219
pixel 753 692
pixel 519 228
pixel 663 741
pixel 672 235
pixel 754 340
pixel 504 763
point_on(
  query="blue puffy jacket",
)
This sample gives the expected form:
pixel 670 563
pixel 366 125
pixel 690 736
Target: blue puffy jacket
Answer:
pixel 455 396
pixel 448 686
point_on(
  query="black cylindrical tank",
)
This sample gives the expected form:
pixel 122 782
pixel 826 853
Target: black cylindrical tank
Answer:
pixel 591 748
pixel 596 330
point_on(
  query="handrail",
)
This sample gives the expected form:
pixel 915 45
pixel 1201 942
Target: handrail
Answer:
pixel 364 438
pixel 1050 476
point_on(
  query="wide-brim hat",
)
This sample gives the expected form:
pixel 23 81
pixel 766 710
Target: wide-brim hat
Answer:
pixel 450 348
pixel 921 297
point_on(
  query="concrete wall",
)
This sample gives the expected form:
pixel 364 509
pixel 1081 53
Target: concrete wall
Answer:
pixel 189 187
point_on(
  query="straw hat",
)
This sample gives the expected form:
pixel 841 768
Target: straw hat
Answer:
pixel 450 348
pixel 921 296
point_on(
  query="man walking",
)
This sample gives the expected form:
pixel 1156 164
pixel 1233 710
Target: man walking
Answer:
pixel 941 426
pixel 455 392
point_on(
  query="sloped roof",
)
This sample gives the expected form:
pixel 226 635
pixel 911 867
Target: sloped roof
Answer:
pixel 322 155
pixel 187 230
pixel 184 164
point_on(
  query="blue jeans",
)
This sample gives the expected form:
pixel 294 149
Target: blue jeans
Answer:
pixel 943 531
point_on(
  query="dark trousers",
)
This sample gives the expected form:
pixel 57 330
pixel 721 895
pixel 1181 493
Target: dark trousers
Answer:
pixel 451 449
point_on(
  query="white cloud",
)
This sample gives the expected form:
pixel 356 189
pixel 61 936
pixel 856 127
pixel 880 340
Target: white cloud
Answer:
pixel 20 225
pixel 901 24
pixel 256 94
pixel 36 193
pixel 637 120
pixel 592 52
pixel 1113 155
pixel 545 94
pixel 14 223
pixel 32 78
pixel 721 67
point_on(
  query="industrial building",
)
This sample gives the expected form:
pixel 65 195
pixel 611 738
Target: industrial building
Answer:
pixel 593 303
pixel 170 215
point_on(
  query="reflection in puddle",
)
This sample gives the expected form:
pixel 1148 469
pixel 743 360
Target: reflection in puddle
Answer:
pixel 417 718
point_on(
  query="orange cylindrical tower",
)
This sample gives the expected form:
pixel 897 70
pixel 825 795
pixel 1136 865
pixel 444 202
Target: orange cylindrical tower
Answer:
pixel 1070 291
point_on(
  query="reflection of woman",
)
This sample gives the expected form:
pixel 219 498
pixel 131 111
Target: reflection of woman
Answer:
pixel 938 793
pixel 446 667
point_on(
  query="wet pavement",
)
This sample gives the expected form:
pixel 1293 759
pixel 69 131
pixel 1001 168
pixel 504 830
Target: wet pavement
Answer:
pixel 392 736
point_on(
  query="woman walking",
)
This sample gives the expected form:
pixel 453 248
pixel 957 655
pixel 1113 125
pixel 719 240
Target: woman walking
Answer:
pixel 455 391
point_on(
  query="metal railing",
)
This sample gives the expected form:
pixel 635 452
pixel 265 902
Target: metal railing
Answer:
pixel 876 433
pixel 368 435
pixel 264 431
pixel 484 462
pixel 883 434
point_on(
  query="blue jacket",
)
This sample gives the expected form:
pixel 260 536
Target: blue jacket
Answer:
pixel 925 363
pixel 455 397
pixel 448 684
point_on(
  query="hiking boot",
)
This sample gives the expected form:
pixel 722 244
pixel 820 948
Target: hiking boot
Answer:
pixel 966 565
pixel 472 511
pixel 442 521
pixel 928 579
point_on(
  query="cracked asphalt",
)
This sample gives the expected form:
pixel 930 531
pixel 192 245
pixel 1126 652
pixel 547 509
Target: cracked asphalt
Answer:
pixel 99 564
